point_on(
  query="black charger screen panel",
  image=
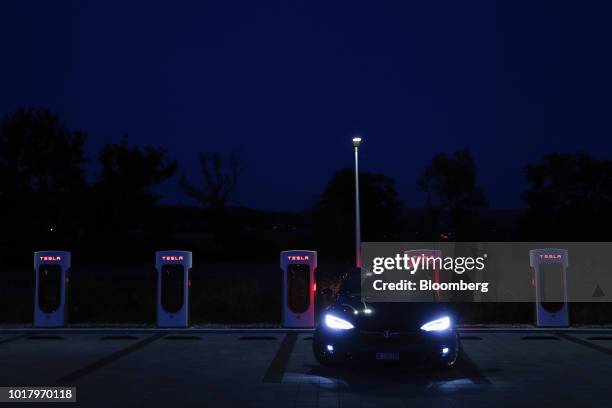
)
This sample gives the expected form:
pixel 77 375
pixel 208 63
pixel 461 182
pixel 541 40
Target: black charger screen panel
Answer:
pixel 551 287
pixel 172 287
pixel 298 286
pixel 49 287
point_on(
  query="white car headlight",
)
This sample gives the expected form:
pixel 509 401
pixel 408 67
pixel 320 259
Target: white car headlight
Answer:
pixel 437 325
pixel 337 323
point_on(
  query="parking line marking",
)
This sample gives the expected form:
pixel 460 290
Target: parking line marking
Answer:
pixel 12 339
pixel 276 370
pixel 75 375
pixel 585 343
pixel 471 371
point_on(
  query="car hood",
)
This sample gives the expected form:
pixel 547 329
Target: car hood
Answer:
pixel 395 316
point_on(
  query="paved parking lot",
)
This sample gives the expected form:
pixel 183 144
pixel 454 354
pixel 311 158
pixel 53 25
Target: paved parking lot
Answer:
pixel 275 368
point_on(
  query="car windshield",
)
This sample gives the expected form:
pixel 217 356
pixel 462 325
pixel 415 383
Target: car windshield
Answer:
pixel 351 283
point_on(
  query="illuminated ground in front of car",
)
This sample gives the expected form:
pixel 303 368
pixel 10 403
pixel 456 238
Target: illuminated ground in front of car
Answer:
pixel 277 369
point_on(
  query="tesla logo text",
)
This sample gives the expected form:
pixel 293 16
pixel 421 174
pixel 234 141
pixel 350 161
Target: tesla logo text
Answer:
pixel 50 258
pixel 172 258
pixel 550 256
pixel 297 257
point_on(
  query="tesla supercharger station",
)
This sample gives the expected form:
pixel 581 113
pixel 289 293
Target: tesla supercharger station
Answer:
pixel 299 288
pixel 173 281
pixel 432 274
pixel 51 269
pixel 550 281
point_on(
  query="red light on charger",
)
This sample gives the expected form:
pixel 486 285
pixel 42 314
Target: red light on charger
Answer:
pixel 50 258
pixel 172 258
pixel 550 256
pixel 298 257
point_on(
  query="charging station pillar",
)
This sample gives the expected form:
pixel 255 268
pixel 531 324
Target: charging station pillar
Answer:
pixel 299 288
pixel 51 269
pixel 550 269
pixel 173 282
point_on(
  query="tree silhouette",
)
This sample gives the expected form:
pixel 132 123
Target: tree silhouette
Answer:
pixel 41 174
pixel 124 186
pixel 453 194
pixel 569 198
pixel 334 214
pixel 220 178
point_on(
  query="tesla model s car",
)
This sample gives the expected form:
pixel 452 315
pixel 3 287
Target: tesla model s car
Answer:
pixel 351 330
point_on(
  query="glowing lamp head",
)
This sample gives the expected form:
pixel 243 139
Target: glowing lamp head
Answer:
pixel 356 141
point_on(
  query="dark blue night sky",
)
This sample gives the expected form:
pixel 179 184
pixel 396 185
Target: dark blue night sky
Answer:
pixel 291 82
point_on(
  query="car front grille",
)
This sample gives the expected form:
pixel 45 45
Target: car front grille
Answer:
pixel 389 337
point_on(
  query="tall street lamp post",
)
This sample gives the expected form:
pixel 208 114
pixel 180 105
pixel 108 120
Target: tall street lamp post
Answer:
pixel 356 143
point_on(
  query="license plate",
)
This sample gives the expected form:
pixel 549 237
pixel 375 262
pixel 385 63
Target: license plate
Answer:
pixel 387 356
